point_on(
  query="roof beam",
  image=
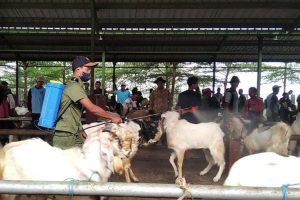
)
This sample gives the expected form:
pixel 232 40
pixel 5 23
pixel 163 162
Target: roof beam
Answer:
pixel 40 51
pixel 159 5
pixel 163 58
pixel 147 22
pixel 290 28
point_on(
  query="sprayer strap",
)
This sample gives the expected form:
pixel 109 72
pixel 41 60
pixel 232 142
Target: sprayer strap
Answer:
pixel 63 111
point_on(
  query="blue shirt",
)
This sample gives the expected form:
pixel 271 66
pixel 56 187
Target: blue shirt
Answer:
pixel 122 95
pixel 37 98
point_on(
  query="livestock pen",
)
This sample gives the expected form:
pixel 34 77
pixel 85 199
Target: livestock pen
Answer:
pixel 152 166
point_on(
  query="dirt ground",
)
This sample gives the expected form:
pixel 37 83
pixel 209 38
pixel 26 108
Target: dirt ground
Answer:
pixel 151 165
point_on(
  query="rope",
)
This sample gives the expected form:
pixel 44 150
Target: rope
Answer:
pixel 71 183
pixel 284 189
pixel 191 109
pixel 52 131
pixel 185 187
pixel 94 172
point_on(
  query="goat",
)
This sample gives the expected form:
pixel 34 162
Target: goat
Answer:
pixel 23 111
pixel 275 138
pixel 266 169
pixel 34 159
pixel 95 161
pixel 296 131
pixel 182 136
pixel 128 137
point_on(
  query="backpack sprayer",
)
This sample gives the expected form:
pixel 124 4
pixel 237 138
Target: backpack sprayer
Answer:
pixel 51 103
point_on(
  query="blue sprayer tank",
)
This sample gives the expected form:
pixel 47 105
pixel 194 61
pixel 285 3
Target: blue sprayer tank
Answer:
pixel 51 104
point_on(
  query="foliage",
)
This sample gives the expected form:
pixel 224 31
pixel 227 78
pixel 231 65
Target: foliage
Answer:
pixel 142 75
pixel 280 73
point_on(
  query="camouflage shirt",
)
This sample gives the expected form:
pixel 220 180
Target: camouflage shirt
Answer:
pixel 160 100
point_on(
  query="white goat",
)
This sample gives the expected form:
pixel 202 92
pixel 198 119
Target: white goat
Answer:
pixel 34 159
pixel 94 161
pixel 23 111
pixel 128 137
pixel 182 136
pixel 296 131
pixel 266 169
pixel 275 138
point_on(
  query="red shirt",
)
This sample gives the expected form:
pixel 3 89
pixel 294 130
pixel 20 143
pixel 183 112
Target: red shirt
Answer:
pixel 254 105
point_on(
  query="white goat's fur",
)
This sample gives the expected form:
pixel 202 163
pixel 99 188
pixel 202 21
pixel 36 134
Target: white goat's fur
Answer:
pixel 296 131
pixel 21 110
pixel 128 137
pixel 274 139
pixel 264 170
pixel 34 159
pixel 182 136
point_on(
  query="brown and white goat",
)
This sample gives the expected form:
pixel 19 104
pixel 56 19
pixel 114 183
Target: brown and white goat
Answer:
pixel 127 135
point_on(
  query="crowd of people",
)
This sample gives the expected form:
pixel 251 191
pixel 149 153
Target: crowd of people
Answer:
pixel 191 103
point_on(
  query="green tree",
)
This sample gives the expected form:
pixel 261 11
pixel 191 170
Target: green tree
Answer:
pixel 287 72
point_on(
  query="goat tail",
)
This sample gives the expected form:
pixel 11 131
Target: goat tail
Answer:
pixel 2 155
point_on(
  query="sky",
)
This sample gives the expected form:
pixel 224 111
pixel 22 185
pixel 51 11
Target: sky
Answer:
pixel 249 79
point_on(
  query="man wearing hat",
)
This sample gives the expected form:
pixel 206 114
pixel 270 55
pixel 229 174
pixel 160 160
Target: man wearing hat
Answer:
pixel 160 98
pixel 35 99
pixel 231 99
pixel 74 100
pixel 272 105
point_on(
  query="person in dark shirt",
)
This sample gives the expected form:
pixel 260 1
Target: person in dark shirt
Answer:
pixel 189 101
pixel 287 109
pixel 231 100
pixel 97 89
pixel 272 105
pixel 298 103
pixel 242 100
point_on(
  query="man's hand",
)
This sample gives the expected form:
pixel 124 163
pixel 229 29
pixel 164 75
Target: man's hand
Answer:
pixel 116 119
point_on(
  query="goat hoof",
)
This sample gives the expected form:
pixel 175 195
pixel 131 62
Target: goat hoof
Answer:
pixel 216 179
pixel 177 180
pixel 202 173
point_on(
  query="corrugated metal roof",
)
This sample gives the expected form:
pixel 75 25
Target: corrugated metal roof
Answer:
pixel 150 30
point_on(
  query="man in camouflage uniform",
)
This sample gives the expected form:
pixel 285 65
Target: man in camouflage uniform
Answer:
pixel 160 98
pixel 74 100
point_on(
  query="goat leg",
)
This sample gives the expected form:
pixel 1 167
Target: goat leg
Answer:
pixel 172 161
pixel 127 176
pixel 210 161
pixel 132 175
pixel 180 157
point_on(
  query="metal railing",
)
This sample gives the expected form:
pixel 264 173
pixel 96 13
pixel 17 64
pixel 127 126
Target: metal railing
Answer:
pixel 143 190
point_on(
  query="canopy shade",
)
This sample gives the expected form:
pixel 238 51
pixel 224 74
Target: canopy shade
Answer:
pixel 150 31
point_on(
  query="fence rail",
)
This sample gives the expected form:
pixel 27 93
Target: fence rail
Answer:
pixel 143 190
